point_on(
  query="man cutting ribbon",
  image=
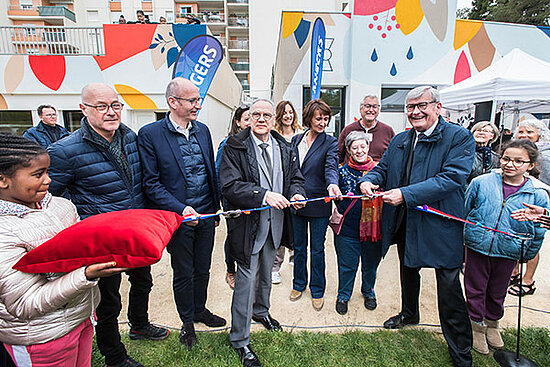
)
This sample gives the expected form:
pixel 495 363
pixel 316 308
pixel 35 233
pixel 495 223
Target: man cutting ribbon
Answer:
pixel 427 164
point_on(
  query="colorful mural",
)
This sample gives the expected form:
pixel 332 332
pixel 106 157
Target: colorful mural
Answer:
pixel 137 62
pixel 399 43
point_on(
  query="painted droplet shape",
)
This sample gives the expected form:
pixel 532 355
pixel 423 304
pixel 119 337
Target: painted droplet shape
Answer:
pixel 462 69
pixel 374 56
pixel 410 53
pixel 393 70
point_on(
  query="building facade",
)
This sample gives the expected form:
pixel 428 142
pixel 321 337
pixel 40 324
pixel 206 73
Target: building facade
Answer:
pixel 387 47
pixel 53 64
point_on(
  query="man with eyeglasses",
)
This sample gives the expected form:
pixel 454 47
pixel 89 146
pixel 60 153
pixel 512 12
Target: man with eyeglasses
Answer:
pixel 47 131
pixel 379 132
pixel 258 168
pixel 98 167
pixel 178 175
pixel 427 165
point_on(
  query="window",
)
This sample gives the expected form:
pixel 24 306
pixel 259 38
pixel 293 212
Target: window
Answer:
pixel 335 98
pixel 169 15
pixel 72 119
pixel 15 122
pixel 25 4
pixel 185 10
pixel 92 16
pixel 393 99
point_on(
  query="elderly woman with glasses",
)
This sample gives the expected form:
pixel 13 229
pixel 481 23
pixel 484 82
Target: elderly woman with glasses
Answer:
pixel 358 237
pixel 537 132
pixel 485 134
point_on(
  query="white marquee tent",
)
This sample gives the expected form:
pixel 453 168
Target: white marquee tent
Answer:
pixel 517 82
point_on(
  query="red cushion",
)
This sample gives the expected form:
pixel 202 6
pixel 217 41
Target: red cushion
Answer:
pixel 133 238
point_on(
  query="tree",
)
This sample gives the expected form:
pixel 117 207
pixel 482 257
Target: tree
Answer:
pixel 480 10
pixel 535 12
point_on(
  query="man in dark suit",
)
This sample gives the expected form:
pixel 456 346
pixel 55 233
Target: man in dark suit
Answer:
pixel 428 164
pixel 178 175
pixel 258 168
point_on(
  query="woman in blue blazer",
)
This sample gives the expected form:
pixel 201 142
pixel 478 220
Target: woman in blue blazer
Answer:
pixel 317 155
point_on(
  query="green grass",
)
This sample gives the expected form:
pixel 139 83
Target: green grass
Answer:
pixel 410 347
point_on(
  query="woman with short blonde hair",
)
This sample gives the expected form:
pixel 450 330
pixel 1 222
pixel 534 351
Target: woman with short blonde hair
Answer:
pixel 485 133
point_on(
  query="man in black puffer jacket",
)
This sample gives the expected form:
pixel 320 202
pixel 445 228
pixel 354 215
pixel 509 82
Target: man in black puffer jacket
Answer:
pixel 98 168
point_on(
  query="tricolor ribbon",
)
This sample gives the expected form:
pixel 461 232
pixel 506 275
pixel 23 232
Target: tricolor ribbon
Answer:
pixel 428 209
pixel 423 208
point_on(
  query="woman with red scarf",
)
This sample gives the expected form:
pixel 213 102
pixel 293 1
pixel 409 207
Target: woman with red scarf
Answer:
pixel 360 231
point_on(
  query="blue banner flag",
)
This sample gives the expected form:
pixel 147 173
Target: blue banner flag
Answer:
pixel 198 61
pixel 317 57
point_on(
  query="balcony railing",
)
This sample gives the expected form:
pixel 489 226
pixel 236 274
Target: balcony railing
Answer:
pixel 237 21
pixel 56 11
pixel 237 1
pixel 240 66
pixel 206 17
pixel 238 44
pixel 42 40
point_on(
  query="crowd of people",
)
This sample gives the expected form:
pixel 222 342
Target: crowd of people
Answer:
pixel 142 18
pixel 50 179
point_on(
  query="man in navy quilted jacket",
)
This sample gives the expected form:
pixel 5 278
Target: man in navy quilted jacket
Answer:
pixel 98 168
pixel 47 131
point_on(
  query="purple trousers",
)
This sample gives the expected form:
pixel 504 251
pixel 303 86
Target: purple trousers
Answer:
pixel 486 280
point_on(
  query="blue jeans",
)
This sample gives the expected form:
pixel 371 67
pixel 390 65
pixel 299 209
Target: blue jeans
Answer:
pixel 348 252
pixel 317 232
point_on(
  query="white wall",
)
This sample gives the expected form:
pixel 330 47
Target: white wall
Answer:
pixel 265 22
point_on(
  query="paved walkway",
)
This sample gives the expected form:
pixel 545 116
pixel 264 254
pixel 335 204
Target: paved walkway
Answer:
pixel 163 311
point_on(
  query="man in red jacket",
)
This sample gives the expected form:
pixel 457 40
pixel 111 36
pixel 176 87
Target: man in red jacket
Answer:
pixel 379 132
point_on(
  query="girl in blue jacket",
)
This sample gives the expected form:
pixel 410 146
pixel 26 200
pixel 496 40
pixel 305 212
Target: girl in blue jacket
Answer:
pixel 491 256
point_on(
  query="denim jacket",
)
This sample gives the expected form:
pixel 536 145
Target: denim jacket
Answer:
pixel 485 205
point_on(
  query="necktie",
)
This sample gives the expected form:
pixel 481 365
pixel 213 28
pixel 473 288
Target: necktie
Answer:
pixel 267 159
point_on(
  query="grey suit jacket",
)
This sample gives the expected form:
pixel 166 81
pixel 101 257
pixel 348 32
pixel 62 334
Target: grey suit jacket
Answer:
pixel 272 219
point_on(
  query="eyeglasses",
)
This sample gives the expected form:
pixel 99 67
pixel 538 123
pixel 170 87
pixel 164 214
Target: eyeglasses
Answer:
pixel 421 106
pixel 369 106
pixel 256 116
pixel 193 101
pixel 517 163
pixel 103 107
pixel 486 131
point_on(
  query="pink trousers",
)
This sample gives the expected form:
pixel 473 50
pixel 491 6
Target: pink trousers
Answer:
pixel 71 350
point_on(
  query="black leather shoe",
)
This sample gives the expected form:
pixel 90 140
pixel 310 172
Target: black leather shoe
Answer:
pixel 209 319
pixel 128 362
pixel 188 336
pixel 148 331
pixel 268 322
pixel 341 307
pixel 248 357
pixel 398 321
pixel 370 303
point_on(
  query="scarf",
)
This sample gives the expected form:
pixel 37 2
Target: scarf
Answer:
pixel 371 209
pixel 487 155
